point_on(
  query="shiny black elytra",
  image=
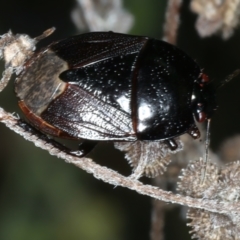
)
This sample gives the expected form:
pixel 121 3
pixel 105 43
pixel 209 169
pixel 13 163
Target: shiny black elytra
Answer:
pixel 107 86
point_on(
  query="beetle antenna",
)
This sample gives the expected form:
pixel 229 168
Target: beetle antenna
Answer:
pixel 229 78
pixel 207 143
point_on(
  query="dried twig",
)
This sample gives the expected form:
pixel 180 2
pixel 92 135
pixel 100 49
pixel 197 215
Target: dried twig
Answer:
pixel 112 177
pixel 158 214
pixel 172 21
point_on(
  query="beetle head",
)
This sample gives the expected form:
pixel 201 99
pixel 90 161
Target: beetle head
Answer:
pixel 203 99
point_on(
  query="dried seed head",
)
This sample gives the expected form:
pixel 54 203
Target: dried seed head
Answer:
pixel 216 16
pixel 227 188
pixel 15 50
pixel 149 158
pixel 104 15
pixel 220 185
pixel 191 184
pixel 211 226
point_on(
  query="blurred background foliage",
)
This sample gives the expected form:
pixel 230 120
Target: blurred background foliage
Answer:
pixel 42 197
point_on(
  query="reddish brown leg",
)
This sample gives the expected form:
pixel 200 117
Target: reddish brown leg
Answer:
pixel 171 144
pixel 84 148
pixel 194 132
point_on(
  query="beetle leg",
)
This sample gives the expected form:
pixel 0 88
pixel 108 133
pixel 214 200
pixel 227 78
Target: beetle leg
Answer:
pixel 171 144
pixel 84 148
pixel 194 132
pixel 199 113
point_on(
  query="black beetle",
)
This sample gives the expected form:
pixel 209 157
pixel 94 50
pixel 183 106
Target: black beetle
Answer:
pixel 106 86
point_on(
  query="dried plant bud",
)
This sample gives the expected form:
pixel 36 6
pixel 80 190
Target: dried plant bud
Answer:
pixel 102 15
pixel 15 50
pixel 227 188
pixel 231 173
pixel 216 16
pixel 210 226
pixel 191 183
pixel 148 158
pixel 181 159
pixel 220 185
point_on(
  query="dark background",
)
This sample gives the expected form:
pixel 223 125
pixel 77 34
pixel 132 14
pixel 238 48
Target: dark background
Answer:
pixel 42 197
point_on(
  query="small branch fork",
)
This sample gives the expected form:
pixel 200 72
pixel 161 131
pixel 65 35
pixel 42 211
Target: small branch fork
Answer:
pixel 172 20
pixel 109 176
